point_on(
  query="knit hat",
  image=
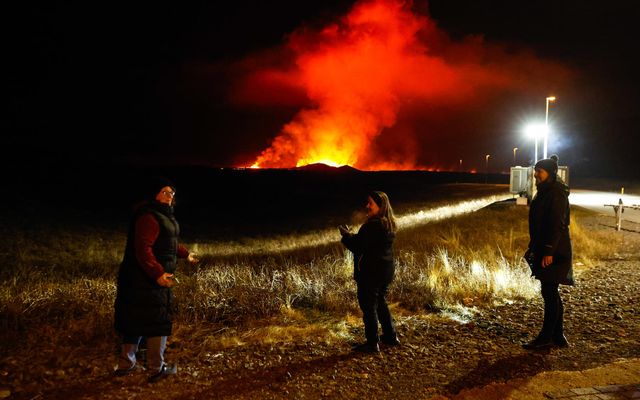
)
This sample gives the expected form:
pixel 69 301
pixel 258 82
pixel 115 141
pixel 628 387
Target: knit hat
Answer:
pixel 154 185
pixel 548 164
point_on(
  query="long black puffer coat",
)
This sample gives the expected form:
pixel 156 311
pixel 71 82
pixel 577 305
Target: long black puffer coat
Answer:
pixel 549 233
pixel 142 307
pixel 372 249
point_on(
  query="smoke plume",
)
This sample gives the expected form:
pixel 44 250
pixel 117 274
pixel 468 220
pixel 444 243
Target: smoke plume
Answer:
pixel 355 78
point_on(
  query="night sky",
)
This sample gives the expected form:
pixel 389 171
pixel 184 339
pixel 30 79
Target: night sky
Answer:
pixel 111 82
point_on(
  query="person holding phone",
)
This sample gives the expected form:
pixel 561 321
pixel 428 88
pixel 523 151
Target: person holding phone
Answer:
pixel 372 249
pixel 144 298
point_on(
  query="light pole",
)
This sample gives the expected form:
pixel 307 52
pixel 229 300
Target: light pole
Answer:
pixel 486 176
pixel 536 130
pixel 461 165
pixel 546 124
pixel 515 149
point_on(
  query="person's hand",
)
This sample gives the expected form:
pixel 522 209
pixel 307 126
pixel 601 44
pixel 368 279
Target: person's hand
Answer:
pixel 546 261
pixel 193 259
pixel 166 280
pixel 344 230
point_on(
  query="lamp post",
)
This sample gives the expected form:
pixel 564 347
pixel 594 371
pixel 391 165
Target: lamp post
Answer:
pixel 515 149
pixel 536 130
pixel 546 124
pixel 461 165
pixel 486 176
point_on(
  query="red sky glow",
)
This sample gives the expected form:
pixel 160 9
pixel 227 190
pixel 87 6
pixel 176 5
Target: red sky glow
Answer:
pixel 356 79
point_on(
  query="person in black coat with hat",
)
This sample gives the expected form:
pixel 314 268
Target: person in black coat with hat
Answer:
pixel 144 298
pixel 372 249
pixel 549 254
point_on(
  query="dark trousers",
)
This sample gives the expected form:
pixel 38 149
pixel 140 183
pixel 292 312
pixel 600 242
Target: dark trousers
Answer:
pixel 372 301
pixel 553 312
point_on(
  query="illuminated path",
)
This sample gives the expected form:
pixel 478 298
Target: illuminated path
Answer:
pixel 596 200
pixel 585 198
pixel 277 244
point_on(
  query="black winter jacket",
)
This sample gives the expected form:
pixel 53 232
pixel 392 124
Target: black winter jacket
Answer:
pixel 372 249
pixel 142 307
pixel 549 233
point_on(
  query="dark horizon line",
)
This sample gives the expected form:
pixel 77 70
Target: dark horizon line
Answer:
pixel 51 166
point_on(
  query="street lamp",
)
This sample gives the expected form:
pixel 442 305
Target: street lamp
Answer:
pixel 461 164
pixel 486 175
pixel 515 149
pixel 536 130
pixel 546 124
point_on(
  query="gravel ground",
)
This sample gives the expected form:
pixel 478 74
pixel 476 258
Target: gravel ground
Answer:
pixel 439 356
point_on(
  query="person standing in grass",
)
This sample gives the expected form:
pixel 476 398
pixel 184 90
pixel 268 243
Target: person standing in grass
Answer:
pixel 143 305
pixel 372 249
pixel 549 253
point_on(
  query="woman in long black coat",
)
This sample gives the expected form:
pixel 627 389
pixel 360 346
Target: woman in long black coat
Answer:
pixel 372 249
pixel 144 296
pixel 549 253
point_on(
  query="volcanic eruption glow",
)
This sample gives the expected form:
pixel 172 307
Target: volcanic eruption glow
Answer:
pixel 359 73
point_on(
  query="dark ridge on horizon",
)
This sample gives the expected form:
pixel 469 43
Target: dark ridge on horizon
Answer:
pixel 325 167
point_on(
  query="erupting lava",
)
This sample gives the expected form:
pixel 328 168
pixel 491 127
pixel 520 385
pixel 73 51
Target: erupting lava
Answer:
pixel 352 72
pixel 359 73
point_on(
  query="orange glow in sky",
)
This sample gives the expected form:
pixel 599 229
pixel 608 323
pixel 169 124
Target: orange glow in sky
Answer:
pixel 360 72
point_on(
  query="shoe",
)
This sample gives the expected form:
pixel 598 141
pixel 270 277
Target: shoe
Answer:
pixel 367 348
pixel 124 371
pixel 390 341
pixel 561 341
pixel 539 344
pixel 165 370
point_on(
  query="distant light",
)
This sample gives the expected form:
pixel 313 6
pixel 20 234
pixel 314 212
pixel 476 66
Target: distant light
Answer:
pixel 537 130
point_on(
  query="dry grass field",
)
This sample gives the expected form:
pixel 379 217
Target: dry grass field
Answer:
pixel 271 300
pixel 61 282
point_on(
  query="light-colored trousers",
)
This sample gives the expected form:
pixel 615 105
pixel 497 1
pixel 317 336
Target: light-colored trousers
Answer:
pixel 155 352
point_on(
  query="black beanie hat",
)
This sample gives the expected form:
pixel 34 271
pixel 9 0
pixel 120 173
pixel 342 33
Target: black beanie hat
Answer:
pixel 548 164
pixel 154 185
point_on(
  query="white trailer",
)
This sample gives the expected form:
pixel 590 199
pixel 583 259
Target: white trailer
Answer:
pixel 522 182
